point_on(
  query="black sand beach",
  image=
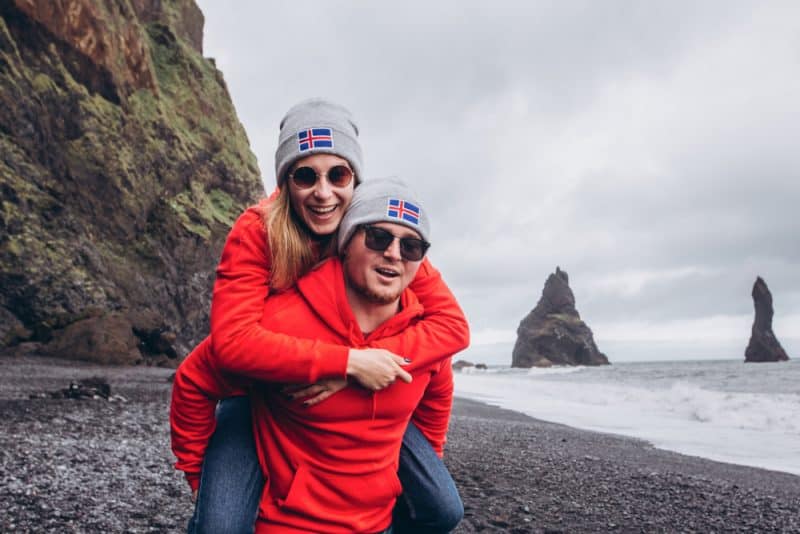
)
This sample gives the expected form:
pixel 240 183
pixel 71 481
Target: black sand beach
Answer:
pixel 100 466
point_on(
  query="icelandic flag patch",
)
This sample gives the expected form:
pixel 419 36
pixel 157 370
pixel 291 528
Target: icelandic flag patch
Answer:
pixel 403 210
pixel 314 138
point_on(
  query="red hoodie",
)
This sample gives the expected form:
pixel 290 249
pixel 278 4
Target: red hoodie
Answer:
pixel 330 467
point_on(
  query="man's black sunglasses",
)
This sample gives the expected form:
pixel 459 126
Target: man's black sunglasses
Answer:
pixel 411 248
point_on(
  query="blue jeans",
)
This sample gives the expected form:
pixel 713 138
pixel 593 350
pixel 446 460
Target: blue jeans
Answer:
pixel 231 482
pixel 430 502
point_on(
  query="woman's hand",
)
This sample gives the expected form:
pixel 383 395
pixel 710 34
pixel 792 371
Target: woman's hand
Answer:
pixel 316 393
pixel 376 369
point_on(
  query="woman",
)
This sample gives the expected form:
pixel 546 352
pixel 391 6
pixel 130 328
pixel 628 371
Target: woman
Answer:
pixel 318 164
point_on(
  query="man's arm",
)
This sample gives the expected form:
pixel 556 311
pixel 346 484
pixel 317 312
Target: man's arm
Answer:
pixel 197 387
pixel 432 415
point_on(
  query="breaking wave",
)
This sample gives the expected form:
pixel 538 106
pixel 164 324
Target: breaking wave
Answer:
pixel 704 416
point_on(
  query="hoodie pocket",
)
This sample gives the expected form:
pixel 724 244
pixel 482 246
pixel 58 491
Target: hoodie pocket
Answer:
pixel 328 495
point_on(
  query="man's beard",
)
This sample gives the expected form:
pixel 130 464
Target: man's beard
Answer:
pixel 368 294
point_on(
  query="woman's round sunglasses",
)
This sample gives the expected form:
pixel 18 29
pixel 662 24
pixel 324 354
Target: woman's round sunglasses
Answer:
pixel 306 177
pixel 378 239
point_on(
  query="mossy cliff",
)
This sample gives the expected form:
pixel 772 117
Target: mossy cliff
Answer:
pixel 122 167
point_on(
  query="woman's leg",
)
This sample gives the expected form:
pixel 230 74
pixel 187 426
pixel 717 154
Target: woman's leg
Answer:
pixel 430 502
pixel 231 482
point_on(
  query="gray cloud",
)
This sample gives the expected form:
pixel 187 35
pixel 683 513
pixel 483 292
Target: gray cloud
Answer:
pixel 649 149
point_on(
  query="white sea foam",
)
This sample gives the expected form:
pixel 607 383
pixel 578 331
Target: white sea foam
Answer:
pixel 695 410
pixel 533 371
pixel 542 371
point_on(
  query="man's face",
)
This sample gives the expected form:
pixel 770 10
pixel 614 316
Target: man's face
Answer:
pixel 379 276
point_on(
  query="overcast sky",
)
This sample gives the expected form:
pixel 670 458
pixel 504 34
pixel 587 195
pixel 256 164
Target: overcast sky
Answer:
pixel 650 149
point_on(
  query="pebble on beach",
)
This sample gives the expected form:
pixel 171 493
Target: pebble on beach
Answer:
pixel 92 465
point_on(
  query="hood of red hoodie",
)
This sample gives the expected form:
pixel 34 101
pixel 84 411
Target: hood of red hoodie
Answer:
pixel 323 288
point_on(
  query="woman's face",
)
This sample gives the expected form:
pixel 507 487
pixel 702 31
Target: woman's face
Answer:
pixel 321 205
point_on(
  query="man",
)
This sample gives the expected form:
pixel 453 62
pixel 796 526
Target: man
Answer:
pixel 332 467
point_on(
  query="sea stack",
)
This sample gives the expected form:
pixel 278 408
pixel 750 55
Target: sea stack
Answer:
pixel 553 332
pixel 763 346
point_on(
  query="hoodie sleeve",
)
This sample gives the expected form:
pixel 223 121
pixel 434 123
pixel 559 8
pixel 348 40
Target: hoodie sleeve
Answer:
pixel 432 415
pixel 196 389
pixel 240 344
pixel 443 330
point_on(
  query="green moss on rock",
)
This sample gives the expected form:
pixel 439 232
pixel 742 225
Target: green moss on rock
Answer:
pixel 116 206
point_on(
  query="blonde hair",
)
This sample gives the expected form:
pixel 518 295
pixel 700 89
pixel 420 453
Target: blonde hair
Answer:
pixel 293 249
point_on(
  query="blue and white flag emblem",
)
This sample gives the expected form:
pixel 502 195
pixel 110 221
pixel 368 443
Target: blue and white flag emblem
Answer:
pixel 403 210
pixel 314 138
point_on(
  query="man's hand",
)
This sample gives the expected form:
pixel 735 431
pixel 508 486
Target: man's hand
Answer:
pixel 376 369
pixel 316 393
pixel 194 496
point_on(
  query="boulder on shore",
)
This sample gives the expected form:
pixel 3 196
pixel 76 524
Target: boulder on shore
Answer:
pixel 553 332
pixel 763 346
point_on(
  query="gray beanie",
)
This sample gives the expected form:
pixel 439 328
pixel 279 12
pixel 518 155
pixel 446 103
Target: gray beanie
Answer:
pixel 317 126
pixel 383 200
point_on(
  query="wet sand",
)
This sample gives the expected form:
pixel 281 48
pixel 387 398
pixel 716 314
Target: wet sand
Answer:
pixel 100 466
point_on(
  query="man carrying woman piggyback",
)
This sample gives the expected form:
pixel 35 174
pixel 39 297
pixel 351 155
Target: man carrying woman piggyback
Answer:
pixel 257 346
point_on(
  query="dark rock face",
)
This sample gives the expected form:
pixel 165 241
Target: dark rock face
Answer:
pixel 122 167
pixel 553 332
pixel 461 364
pixel 94 387
pixel 763 346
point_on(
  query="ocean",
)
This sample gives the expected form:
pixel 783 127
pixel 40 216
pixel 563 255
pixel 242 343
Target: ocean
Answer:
pixel 722 410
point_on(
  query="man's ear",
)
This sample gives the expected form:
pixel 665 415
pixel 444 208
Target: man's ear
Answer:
pixel 343 255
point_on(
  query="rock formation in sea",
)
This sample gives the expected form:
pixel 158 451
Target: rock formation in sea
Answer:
pixel 122 166
pixel 553 332
pixel 462 364
pixel 763 346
